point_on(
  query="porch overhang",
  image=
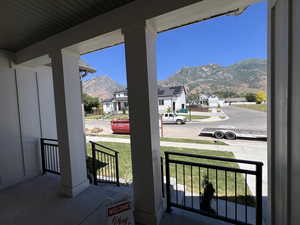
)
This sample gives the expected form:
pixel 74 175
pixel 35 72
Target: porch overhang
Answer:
pixel 105 30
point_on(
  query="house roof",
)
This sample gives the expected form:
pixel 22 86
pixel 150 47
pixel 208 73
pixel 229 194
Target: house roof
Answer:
pixel 83 67
pixel 120 98
pixel 170 91
pixel 162 92
pixel 107 100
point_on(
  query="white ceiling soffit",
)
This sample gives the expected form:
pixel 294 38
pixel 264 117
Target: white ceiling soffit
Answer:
pixel 201 10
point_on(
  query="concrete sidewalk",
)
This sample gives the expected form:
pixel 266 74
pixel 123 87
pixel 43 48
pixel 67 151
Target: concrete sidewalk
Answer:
pixel 231 148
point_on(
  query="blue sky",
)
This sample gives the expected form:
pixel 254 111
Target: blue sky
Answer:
pixel 223 40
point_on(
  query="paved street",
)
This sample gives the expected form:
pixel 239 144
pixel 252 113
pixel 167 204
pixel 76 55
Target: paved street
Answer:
pixel 238 117
pixel 244 118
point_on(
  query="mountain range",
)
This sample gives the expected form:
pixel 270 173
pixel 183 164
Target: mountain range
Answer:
pixel 101 87
pixel 242 77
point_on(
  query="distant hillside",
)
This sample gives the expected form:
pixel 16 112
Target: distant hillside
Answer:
pixel 246 76
pixel 101 87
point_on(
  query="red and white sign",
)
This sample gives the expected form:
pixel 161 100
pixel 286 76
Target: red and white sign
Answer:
pixel 120 214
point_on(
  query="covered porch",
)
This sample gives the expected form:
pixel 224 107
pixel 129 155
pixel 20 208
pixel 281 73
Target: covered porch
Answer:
pixel 39 102
pixel 36 202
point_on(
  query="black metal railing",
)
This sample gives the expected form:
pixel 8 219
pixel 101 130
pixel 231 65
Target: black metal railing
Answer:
pixel 105 163
pixel 162 176
pixel 50 156
pixel 215 187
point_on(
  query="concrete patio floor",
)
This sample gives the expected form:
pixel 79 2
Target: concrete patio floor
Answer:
pixel 37 202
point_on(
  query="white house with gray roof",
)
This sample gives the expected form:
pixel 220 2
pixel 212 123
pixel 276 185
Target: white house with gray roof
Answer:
pixel 169 98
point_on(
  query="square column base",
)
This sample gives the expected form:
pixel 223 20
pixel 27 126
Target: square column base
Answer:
pixel 71 192
pixel 145 218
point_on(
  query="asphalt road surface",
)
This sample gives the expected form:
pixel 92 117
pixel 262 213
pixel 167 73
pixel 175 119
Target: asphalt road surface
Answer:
pixel 238 117
pixel 241 118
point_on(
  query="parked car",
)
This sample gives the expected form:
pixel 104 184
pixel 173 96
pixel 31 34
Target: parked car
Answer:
pixel 173 118
pixel 120 126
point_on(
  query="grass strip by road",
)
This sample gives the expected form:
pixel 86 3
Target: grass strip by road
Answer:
pixel 96 117
pixel 125 116
pixel 181 140
pixel 92 117
pixel 125 170
pixel 197 117
pixel 257 107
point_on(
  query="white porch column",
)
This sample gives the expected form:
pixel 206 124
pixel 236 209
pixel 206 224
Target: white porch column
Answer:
pixel 283 118
pixel 140 41
pixel 67 92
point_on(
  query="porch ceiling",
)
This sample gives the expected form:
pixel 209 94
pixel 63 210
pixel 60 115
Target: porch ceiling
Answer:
pixel 23 23
pixel 104 30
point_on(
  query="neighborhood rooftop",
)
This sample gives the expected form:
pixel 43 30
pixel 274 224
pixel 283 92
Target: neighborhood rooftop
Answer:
pixel 162 92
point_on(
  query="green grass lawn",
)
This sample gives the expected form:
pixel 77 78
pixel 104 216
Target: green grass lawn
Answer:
pixel 117 117
pixel 196 117
pixel 181 140
pixel 92 117
pixel 257 107
pixel 125 169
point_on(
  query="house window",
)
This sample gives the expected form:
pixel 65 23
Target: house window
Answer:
pixel 161 102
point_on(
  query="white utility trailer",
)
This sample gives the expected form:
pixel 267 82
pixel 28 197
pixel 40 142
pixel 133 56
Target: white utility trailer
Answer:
pixel 233 133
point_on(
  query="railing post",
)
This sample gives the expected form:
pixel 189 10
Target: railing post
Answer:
pixel 94 163
pixel 162 176
pixel 168 191
pixel 259 194
pixel 43 155
pixel 117 168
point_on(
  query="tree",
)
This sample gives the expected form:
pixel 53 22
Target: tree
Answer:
pixel 89 102
pixel 250 97
pixel 261 97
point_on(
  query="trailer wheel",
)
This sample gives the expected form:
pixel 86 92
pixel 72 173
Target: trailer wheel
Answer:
pixel 230 136
pixel 219 135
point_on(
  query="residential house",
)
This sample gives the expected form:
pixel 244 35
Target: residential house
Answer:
pixel 211 100
pixel 169 98
pixel 42 102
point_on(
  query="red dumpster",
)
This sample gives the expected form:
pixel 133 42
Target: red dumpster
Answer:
pixel 120 126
